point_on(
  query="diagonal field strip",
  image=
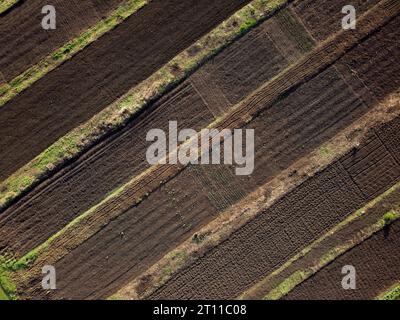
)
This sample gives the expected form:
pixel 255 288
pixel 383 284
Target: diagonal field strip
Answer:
pixel 328 256
pixel 133 192
pixel 68 50
pixel 6 4
pixel 3 295
pixel 138 98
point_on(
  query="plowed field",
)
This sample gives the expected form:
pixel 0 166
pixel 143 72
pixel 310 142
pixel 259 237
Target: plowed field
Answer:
pixel 23 41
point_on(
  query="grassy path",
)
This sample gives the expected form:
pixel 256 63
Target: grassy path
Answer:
pixel 6 4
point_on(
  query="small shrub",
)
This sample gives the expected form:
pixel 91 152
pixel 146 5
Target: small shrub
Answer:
pixel 197 239
pixel 248 24
pixel 389 217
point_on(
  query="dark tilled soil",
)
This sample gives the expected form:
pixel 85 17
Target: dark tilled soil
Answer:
pixel 241 69
pixel 122 156
pixel 366 61
pixel 23 41
pixel 274 236
pixel 392 139
pixel 377 264
pixel 298 123
pixel 90 81
pixel 324 18
pixel 375 62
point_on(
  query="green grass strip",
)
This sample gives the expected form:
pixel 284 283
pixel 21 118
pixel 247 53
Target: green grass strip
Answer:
pixel 391 294
pixel 6 4
pixel 114 116
pixel 3 295
pixel 52 61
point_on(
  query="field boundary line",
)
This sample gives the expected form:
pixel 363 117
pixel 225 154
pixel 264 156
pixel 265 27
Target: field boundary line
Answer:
pixel 132 193
pixel 47 64
pixel 390 152
pixel 285 286
pixel 117 115
pixel 259 200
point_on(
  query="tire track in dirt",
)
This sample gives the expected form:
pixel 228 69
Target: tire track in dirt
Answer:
pixel 23 41
pixel 105 70
pixel 377 263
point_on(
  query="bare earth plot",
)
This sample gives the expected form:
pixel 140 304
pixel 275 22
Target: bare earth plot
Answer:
pixel 102 73
pixel 377 264
pixel 275 235
pixel 323 18
pixel 23 41
pixel 97 259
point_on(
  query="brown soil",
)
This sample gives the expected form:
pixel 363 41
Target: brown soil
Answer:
pixel 83 184
pixel 101 73
pixel 324 18
pixel 220 190
pixel 271 238
pixel 362 167
pixel 256 58
pixel 392 140
pixel 23 41
pixel 377 264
